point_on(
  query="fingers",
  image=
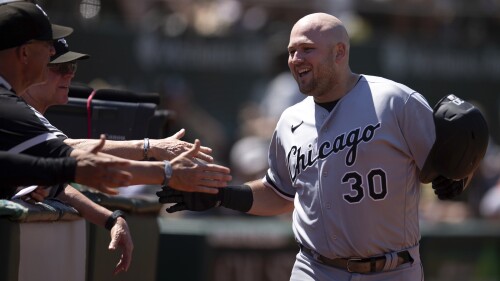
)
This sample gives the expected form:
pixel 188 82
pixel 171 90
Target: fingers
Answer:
pixel 217 168
pixel 124 262
pixel 180 134
pixel 205 157
pixel 176 208
pixel 107 190
pixel 193 151
pixel 39 194
pixel 100 145
pixel 214 179
pixel 204 154
pixel 120 266
pixel 165 199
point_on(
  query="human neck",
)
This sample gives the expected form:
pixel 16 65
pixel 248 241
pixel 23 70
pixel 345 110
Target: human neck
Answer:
pixel 339 90
pixel 36 104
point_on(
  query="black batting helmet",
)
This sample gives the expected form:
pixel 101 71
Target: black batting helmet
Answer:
pixel 461 140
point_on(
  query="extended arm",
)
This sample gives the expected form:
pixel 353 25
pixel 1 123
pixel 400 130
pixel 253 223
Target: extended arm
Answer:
pixel 266 202
pixel 252 198
pixel 21 169
pixel 188 173
pixel 158 149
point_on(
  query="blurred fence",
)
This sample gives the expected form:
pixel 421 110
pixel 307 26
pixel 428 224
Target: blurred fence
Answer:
pixel 60 246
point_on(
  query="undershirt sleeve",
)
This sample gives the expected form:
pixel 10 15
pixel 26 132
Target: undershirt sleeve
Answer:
pixel 18 170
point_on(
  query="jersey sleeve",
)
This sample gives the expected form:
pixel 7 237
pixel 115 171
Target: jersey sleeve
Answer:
pixel 53 129
pixel 18 124
pixel 277 176
pixel 19 169
pixel 417 125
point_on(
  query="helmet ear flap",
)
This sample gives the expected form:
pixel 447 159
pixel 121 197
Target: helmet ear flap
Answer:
pixel 461 140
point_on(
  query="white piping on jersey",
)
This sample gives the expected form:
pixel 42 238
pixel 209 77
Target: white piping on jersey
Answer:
pixel 32 142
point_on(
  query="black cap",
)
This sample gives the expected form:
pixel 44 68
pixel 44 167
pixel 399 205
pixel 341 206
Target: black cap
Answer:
pixel 461 140
pixel 63 54
pixel 23 21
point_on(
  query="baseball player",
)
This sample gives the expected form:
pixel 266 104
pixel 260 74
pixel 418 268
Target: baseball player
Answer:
pixel 345 160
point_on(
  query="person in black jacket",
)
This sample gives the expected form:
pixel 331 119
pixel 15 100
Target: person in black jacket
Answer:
pixel 25 50
pixel 21 169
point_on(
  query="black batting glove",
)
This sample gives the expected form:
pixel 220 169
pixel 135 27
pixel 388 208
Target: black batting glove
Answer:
pixel 446 188
pixel 191 201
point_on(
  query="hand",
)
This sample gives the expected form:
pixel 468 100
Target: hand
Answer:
pixel 190 174
pixel 121 238
pixel 447 188
pixel 191 201
pixel 169 148
pixel 39 194
pixel 101 172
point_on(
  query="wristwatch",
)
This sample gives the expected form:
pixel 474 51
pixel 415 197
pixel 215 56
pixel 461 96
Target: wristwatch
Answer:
pixel 168 172
pixel 110 222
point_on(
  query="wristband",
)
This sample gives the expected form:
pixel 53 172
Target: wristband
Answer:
pixel 146 148
pixel 110 222
pixel 236 197
pixel 168 172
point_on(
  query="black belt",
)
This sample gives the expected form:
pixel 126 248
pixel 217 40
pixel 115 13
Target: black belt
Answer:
pixel 358 265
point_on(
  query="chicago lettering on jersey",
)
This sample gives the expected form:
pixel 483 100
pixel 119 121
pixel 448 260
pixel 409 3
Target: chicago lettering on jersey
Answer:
pixel 297 161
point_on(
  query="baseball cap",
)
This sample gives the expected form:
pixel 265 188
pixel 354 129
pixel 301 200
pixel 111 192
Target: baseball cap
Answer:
pixel 462 137
pixel 21 21
pixel 63 54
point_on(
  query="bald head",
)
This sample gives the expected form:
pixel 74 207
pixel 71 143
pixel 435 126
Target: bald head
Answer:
pixel 319 57
pixel 326 26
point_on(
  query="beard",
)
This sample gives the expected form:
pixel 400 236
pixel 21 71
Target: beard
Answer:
pixel 322 81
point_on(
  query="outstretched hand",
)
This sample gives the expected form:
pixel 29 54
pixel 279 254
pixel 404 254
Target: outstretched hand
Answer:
pixel 446 188
pixel 100 171
pixel 191 201
pixel 173 146
pixel 193 175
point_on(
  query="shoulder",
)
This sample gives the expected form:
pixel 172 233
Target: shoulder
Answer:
pixel 8 95
pixel 386 85
pixel 386 89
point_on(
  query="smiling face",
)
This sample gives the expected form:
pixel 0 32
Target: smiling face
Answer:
pixel 318 55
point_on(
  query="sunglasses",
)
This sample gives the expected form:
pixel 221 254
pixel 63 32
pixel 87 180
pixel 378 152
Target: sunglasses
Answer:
pixel 63 68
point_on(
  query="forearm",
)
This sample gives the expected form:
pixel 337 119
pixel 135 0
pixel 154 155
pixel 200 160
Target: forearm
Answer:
pixel 143 172
pixel 89 210
pixel 146 172
pixel 131 149
pixel 20 169
pixel 266 202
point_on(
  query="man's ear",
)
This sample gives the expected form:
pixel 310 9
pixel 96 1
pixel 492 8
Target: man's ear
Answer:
pixel 340 51
pixel 22 53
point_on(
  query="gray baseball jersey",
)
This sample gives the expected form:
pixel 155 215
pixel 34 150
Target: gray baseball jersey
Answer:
pixel 353 172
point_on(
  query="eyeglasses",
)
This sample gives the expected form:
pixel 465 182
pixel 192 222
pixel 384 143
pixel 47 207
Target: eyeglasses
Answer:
pixel 63 68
